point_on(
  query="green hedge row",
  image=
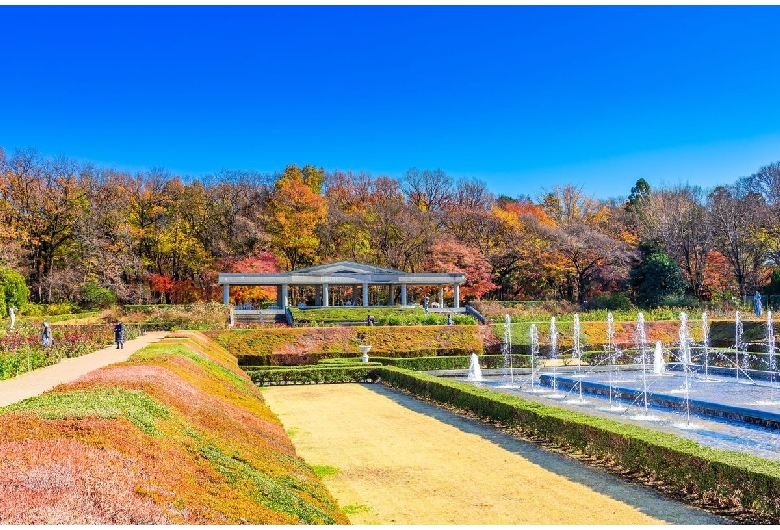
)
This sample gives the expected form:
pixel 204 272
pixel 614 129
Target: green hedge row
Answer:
pixel 452 362
pixel 355 373
pixel 725 479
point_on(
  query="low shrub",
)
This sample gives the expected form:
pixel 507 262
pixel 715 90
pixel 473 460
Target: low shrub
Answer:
pixel 365 373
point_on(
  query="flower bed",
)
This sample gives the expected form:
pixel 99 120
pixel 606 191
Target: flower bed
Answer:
pixel 21 349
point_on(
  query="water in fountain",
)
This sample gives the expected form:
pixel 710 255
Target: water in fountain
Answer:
pixel 577 352
pixel 534 336
pixel 475 372
pixel 770 346
pixel 507 348
pixel 658 359
pixel 737 341
pixel 685 359
pixel 554 358
pixel 705 340
pixel 612 354
pixel 685 343
pixel 641 345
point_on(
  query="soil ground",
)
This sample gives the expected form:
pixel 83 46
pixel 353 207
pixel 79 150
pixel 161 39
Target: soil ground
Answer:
pixel 391 459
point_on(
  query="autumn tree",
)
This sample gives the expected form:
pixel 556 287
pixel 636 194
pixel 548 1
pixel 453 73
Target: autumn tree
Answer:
pixel 44 200
pixel 448 255
pixel 294 211
pixel 739 218
pixel 678 219
pixel 579 238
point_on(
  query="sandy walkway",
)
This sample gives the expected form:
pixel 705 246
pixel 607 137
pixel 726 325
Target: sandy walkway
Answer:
pixel 38 381
pixel 396 460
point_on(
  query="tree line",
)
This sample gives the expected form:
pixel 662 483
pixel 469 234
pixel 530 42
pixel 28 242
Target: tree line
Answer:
pixel 81 233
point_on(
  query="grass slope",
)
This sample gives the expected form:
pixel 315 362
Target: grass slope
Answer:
pixel 176 435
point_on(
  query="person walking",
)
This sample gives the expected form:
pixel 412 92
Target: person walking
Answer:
pixel 119 335
pixel 46 337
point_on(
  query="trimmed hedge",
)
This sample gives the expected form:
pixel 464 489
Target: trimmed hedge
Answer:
pixel 452 362
pixel 364 373
pixel 717 478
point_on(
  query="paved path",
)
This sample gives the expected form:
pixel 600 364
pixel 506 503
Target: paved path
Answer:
pixel 39 381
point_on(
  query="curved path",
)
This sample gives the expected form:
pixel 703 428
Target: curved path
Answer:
pixel 38 381
pixel 391 459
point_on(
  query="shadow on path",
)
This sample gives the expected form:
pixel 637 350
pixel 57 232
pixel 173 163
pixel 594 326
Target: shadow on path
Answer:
pixel 642 498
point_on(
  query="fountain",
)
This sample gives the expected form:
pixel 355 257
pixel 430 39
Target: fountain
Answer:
pixel 685 341
pixel 658 359
pixel 770 346
pixel 723 413
pixel 364 349
pixel 475 372
pixel 507 348
pixel 705 341
pixel 641 345
pixel 576 352
pixel 554 357
pixel 737 341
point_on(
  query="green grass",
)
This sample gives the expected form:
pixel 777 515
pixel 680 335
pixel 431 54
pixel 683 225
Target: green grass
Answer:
pixel 134 405
pixel 350 509
pixel 325 471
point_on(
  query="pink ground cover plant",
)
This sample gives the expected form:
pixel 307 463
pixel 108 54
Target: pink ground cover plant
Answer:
pixel 176 435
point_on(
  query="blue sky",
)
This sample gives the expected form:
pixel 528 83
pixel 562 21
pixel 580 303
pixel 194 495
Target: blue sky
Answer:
pixel 521 97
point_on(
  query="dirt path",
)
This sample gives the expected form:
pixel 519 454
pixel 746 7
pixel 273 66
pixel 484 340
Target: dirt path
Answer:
pixel 396 460
pixel 38 381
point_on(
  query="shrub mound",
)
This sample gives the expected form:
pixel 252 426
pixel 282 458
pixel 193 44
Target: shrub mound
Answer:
pixel 176 435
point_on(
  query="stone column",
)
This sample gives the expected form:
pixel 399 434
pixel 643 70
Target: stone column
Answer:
pixel 390 295
pixel 325 295
pixel 456 295
pixel 285 290
pixel 403 294
pixel 279 296
pixel 226 294
pixel 365 294
pixel 441 296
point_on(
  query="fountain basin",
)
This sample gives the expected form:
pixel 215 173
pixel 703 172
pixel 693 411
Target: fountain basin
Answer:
pixel 706 399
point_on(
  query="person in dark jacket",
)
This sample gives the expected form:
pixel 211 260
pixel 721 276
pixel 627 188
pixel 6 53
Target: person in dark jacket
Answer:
pixel 119 335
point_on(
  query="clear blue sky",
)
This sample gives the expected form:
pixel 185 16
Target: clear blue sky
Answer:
pixel 521 97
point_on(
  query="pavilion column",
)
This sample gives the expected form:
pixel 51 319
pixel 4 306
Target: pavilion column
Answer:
pixel 390 289
pixel 365 294
pixel 441 296
pixel 226 294
pixel 354 295
pixel 403 294
pixel 317 295
pixel 285 291
pixel 279 297
pixel 325 295
pixel 456 295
